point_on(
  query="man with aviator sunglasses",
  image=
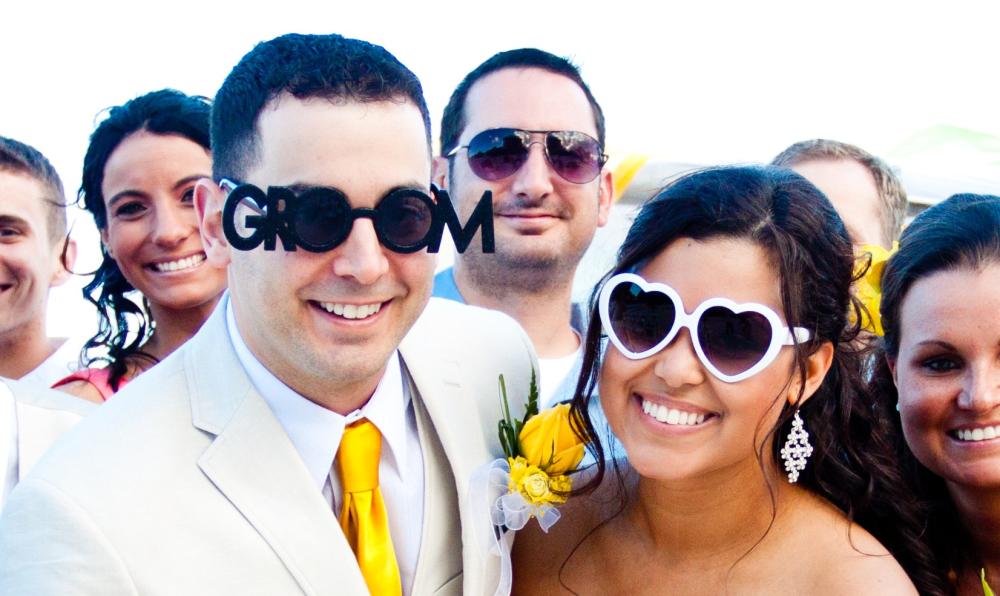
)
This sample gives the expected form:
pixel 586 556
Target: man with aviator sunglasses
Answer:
pixel 525 126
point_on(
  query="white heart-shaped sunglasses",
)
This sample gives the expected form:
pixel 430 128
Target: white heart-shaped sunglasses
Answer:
pixel 733 341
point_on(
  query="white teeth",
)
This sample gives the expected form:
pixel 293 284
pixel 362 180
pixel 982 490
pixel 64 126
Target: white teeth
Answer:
pixel 351 311
pixel 179 264
pixel 671 416
pixel 977 434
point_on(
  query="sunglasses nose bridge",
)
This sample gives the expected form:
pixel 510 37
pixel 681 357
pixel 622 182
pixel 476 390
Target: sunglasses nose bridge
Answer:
pixel 677 364
pixel 534 176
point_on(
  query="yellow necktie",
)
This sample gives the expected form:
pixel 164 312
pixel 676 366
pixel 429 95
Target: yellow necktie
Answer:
pixel 363 515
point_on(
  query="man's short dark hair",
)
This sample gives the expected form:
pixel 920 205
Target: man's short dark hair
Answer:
pixel 453 120
pixel 890 189
pixel 19 158
pixel 330 66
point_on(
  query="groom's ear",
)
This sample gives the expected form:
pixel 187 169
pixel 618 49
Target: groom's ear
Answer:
pixel 208 201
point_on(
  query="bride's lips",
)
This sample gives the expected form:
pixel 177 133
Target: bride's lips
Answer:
pixel 671 415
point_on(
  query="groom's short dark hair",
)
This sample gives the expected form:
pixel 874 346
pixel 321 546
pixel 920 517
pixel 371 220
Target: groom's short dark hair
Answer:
pixel 330 67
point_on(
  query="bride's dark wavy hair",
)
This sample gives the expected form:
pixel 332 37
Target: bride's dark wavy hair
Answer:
pixel 961 232
pixel 163 112
pixel 853 464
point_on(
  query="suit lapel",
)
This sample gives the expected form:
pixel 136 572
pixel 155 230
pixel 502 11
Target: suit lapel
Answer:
pixel 439 560
pixel 456 421
pixel 255 466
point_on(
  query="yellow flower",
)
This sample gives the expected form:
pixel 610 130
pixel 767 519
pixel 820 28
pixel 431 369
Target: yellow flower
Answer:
pixel 549 443
pixel 869 287
pixel 537 487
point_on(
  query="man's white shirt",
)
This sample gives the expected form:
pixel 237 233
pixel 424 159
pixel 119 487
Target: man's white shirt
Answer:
pixel 8 445
pixel 315 432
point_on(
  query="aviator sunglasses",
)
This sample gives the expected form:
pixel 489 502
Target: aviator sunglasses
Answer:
pixel 733 341
pixel 321 218
pixel 497 153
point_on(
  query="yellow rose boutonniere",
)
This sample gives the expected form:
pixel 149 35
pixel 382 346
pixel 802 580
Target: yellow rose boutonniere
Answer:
pixel 542 449
pixel 548 441
pixel 869 286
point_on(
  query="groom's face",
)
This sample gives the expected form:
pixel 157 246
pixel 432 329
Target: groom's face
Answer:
pixel 325 321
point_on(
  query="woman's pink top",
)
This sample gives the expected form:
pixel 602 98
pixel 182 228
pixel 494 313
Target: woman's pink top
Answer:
pixel 98 377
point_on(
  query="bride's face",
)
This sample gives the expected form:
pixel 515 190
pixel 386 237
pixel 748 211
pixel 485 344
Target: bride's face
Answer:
pixel 730 420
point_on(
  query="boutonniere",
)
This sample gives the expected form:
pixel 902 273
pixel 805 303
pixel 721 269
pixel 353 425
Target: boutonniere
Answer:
pixel 542 450
pixel 869 286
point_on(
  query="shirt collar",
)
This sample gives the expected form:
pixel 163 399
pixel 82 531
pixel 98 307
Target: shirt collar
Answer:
pixel 314 431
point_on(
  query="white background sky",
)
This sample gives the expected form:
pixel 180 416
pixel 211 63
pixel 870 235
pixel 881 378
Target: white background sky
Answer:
pixel 702 82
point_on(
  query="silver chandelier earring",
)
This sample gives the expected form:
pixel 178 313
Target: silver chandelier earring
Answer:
pixel 797 449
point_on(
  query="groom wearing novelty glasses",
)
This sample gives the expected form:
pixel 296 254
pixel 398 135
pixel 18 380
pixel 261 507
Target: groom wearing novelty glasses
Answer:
pixel 318 434
pixel 525 126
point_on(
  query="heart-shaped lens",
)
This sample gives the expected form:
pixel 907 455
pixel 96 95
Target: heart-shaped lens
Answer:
pixel 733 342
pixel 640 319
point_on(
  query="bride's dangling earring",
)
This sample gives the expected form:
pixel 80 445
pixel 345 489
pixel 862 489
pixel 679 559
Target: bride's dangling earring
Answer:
pixel 797 449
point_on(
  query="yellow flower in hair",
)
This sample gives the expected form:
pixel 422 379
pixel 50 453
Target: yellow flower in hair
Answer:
pixel 869 287
pixel 549 442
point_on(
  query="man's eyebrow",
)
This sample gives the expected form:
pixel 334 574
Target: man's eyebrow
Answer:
pixel 300 187
pixel 13 220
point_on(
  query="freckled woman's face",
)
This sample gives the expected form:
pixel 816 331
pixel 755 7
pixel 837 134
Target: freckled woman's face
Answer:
pixel 947 373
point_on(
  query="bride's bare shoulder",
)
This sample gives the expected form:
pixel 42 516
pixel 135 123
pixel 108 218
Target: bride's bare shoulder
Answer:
pixel 538 556
pixel 847 559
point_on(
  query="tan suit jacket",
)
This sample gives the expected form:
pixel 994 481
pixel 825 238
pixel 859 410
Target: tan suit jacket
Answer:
pixel 185 483
pixel 41 415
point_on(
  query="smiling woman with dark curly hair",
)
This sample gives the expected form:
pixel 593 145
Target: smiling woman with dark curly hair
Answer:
pixel 723 348
pixel 138 183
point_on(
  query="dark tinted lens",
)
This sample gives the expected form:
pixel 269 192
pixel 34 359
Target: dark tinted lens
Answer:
pixel 405 217
pixel 640 319
pixel 733 342
pixel 496 153
pixel 319 216
pixel 574 155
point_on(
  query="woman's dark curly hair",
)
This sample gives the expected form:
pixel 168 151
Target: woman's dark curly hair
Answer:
pixel 165 112
pixel 961 232
pixel 853 464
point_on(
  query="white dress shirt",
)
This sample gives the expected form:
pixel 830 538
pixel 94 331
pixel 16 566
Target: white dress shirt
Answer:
pixel 8 442
pixel 315 432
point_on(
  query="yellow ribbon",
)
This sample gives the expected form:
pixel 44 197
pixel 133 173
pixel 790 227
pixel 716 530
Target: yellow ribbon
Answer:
pixel 363 516
pixel 626 169
pixel 869 288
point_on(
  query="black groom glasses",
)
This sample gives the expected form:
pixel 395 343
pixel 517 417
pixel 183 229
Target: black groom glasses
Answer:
pixel 320 218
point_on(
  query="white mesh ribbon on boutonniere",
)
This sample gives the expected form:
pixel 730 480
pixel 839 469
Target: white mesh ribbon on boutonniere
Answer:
pixel 542 450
